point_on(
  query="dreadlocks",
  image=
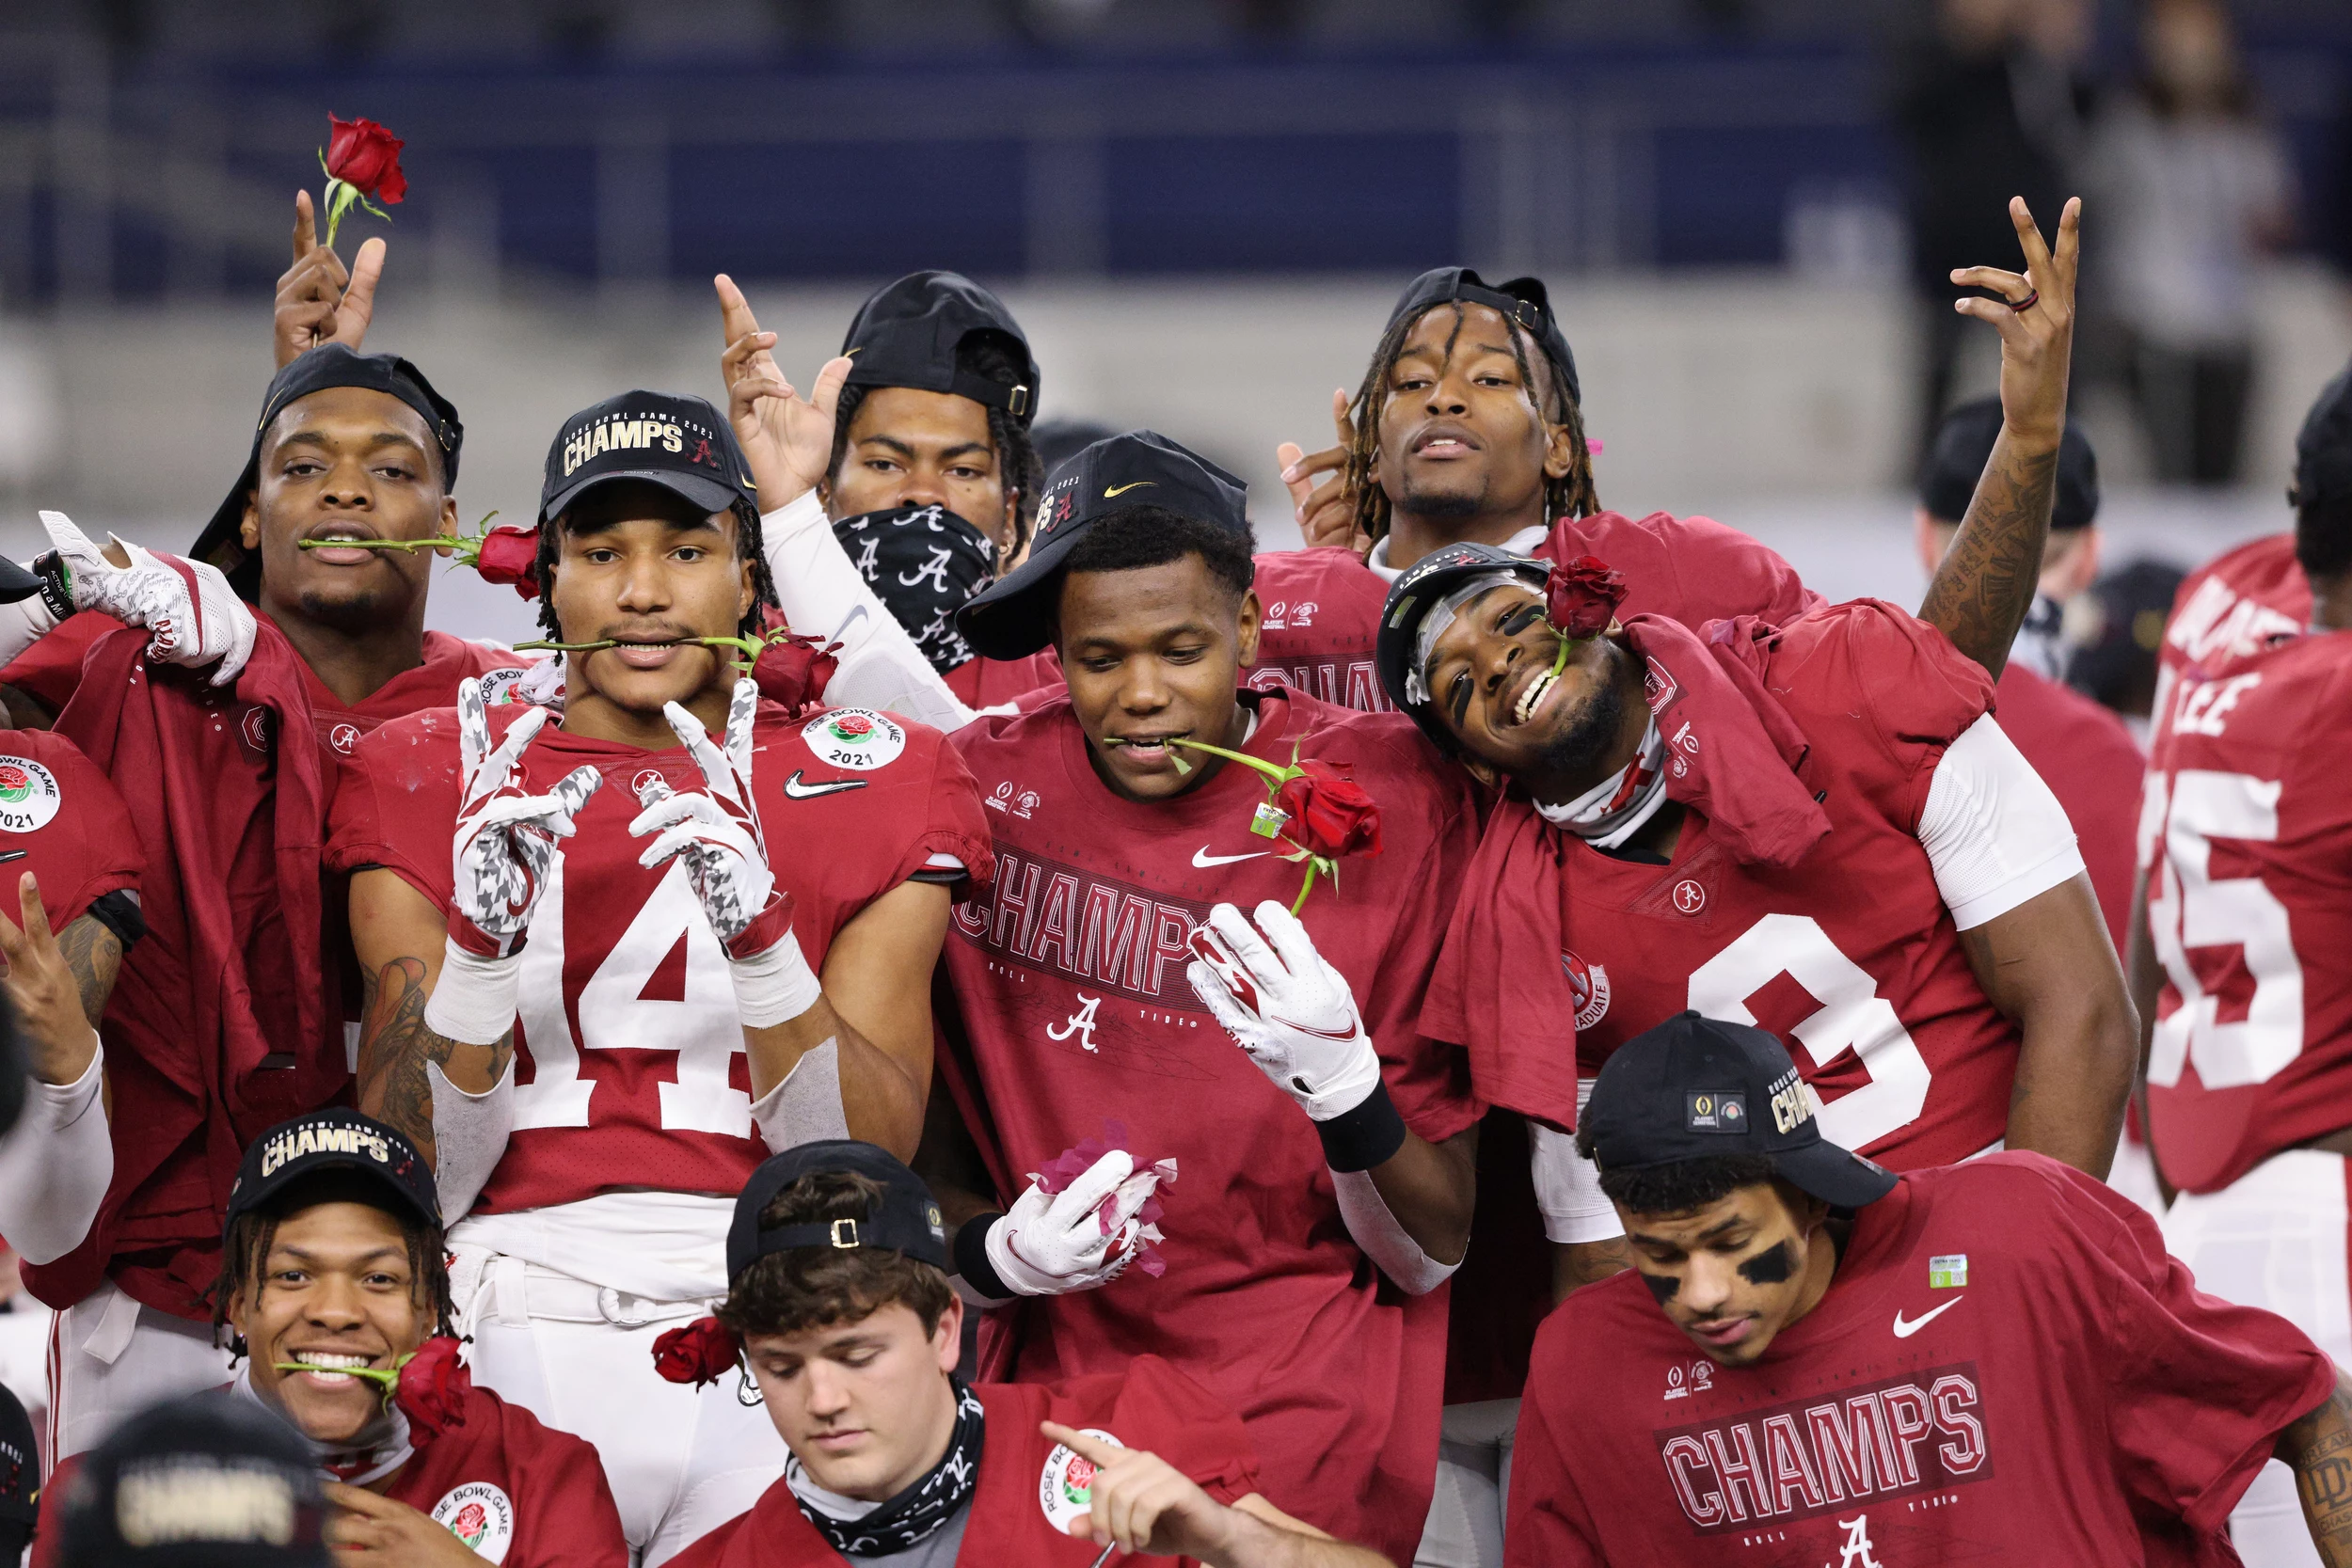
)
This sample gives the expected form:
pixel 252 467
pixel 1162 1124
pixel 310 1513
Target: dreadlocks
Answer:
pixel 244 1251
pixel 747 543
pixel 1570 495
pixel 1019 472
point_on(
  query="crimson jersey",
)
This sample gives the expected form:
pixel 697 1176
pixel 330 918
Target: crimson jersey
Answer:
pixel 1323 606
pixel 2089 761
pixel 2247 839
pixel 2007 1368
pixel 2241 601
pixel 631 1070
pixel 1070 979
pixel 1849 955
pixel 61 819
pixel 515 1492
pixel 1030 1486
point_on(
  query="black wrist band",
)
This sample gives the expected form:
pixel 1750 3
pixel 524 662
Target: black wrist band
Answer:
pixel 972 1264
pixel 1366 1136
pixel 56 583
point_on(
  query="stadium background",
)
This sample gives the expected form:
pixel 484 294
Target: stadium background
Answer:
pixel 1200 210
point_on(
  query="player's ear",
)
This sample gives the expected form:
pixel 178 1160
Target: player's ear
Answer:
pixel 1249 621
pixel 249 529
pixel 947 1334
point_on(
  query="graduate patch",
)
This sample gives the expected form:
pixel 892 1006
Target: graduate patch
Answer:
pixel 28 794
pixel 1066 1488
pixel 1709 1111
pixel 856 737
pixel 482 1517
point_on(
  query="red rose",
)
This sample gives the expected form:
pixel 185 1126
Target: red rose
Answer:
pixel 433 1390
pixel 794 671
pixel 1581 596
pixel 363 154
pixel 699 1352
pixel 511 555
pixel 1329 813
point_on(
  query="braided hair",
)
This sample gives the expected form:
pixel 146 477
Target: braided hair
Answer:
pixel 1570 495
pixel 1019 471
pixel 747 542
pixel 245 1252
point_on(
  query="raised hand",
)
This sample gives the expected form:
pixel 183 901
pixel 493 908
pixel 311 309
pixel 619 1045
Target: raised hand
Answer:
pixel 786 438
pixel 1050 1244
pixel 318 302
pixel 1326 515
pixel 1285 1007
pixel 190 613
pixel 716 830
pixel 39 981
pixel 2037 323
pixel 505 842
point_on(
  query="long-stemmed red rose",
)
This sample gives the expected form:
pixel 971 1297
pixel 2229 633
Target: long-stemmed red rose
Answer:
pixel 362 164
pixel 507 554
pixel 1315 807
pixel 430 1385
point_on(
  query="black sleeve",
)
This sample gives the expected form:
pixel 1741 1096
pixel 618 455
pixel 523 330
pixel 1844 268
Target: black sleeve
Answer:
pixel 118 911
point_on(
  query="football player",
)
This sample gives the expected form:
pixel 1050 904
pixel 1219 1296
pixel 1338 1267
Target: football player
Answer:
pixel 2248 923
pixel 1991 1361
pixel 616 959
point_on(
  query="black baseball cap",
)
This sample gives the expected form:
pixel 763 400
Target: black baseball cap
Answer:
pixel 222 543
pixel 1964 444
pixel 1013 617
pixel 680 443
pixel 1525 300
pixel 904 1220
pixel 207 1482
pixel 2323 448
pixel 1422 588
pixel 328 1140
pixel 1693 1087
pixel 20 1476
pixel 908 334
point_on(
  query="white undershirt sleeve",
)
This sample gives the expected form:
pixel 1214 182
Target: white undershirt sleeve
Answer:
pixel 1992 830
pixel 823 595
pixel 22 625
pixel 55 1164
pixel 1567 1185
pixel 1383 1236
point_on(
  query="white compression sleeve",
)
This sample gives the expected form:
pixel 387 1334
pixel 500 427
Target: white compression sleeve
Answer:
pixel 1992 830
pixel 821 592
pixel 1388 1243
pixel 473 1000
pixel 22 625
pixel 469 1133
pixel 55 1164
pixel 1567 1185
pixel 805 1108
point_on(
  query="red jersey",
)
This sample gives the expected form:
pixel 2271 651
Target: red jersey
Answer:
pixel 631 1070
pixel 2249 851
pixel 1840 944
pixel 1323 606
pixel 2007 1368
pixel 516 1493
pixel 2092 764
pixel 2240 602
pixel 1030 1486
pixel 980 683
pixel 61 820
pixel 1070 979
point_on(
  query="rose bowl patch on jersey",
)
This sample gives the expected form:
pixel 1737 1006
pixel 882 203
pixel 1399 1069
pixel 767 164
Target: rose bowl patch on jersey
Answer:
pixel 481 1515
pixel 1065 1488
pixel 858 737
pixel 28 794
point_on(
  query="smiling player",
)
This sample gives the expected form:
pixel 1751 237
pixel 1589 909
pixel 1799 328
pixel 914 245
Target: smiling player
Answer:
pixel 1816 1360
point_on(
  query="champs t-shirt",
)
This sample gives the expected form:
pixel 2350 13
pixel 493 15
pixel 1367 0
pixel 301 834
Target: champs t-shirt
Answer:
pixel 2008 1368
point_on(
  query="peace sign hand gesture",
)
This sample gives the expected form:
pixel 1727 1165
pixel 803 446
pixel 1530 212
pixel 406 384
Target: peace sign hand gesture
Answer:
pixel 2035 316
pixel 786 438
pixel 318 302
pixel 504 845
pixel 715 830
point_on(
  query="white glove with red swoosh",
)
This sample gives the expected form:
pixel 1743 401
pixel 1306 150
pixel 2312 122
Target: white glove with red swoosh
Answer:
pixel 187 609
pixel 1285 1006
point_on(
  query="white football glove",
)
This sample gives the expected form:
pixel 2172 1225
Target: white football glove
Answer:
pixel 1049 1245
pixel 504 845
pixel 715 830
pixel 1286 1006
pixel 187 609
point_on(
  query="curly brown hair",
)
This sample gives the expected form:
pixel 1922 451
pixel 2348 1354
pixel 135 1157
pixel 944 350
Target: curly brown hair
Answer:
pixel 788 1293
pixel 1570 495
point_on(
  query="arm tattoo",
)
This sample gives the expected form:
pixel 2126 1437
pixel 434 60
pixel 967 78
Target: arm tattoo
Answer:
pixel 2319 1448
pixel 1987 582
pixel 396 1043
pixel 93 953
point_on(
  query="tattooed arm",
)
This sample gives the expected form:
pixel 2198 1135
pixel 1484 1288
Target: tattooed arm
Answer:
pixel 400 939
pixel 2318 1448
pixel 1986 584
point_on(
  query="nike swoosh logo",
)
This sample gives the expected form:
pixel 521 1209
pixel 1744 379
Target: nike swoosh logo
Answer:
pixel 1905 1330
pixel 1122 489
pixel 795 790
pixel 1202 858
pixel 1350 1035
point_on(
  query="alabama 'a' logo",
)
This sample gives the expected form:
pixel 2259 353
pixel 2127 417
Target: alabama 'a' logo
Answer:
pixel 1589 985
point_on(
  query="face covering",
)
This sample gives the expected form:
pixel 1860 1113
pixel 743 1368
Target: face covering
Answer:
pixel 923 563
pixel 1607 813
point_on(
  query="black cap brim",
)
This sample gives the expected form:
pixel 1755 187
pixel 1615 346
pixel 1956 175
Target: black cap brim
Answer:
pixel 1838 1177
pixel 708 494
pixel 1013 617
